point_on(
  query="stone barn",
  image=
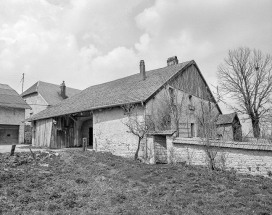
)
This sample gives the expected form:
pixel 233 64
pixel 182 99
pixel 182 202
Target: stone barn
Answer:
pixel 100 113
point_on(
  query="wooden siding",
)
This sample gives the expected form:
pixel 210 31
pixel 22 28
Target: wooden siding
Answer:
pixel 191 82
pixel 62 133
pixel 42 133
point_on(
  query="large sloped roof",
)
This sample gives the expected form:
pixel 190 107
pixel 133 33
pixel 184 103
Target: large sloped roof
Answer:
pixel 50 92
pixel 226 118
pixel 10 98
pixel 131 89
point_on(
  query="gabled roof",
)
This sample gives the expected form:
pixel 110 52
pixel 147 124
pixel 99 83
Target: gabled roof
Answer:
pixel 50 92
pixel 226 118
pixel 131 89
pixel 10 98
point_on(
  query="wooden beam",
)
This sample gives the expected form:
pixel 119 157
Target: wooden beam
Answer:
pixel 73 118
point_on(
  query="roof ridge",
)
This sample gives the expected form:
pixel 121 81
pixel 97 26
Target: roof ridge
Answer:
pixel 129 89
pixel 137 74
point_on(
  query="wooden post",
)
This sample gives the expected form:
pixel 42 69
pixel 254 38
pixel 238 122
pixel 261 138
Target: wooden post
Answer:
pixel 84 144
pixel 12 150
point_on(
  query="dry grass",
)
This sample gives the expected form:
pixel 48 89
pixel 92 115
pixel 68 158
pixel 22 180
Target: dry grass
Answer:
pixel 100 183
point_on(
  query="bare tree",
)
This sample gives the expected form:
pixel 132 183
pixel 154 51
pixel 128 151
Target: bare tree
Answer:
pixel 137 125
pixel 246 77
pixel 207 133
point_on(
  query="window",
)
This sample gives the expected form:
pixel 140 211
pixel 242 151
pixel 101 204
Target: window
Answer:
pixel 190 106
pixel 192 130
pixel 172 95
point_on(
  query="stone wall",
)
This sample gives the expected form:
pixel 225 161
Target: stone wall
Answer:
pixel 111 134
pixel 189 107
pixel 244 157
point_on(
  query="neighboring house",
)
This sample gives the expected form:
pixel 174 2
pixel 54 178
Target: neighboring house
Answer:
pixel 229 127
pixel 12 115
pixel 99 113
pixel 42 95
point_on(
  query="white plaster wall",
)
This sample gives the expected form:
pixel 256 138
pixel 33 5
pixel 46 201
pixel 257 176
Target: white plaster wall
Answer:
pixel 13 116
pixel 111 134
pixel 36 102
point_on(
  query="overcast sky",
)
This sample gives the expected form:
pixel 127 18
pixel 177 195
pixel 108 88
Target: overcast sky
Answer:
pixel 87 42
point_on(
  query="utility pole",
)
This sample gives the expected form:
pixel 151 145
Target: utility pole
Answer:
pixel 23 79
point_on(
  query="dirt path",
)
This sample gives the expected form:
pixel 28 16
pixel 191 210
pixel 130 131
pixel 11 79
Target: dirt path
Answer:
pixel 19 148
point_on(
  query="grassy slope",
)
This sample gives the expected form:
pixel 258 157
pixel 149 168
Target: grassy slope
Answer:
pixel 100 183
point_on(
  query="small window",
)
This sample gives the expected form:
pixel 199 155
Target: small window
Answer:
pixel 8 135
pixel 172 95
pixel 192 130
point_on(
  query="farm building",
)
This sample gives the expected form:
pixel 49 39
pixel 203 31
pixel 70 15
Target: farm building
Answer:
pixel 100 113
pixel 229 127
pixel 12 115
pixel 42 95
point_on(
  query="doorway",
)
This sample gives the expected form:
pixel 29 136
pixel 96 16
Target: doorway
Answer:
pixel 91 137
pixel 87 132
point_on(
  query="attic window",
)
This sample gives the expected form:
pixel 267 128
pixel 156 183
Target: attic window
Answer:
pixel 172 95
pixel 191 106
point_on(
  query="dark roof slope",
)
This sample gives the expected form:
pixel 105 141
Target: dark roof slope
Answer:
pixel 50 92
pixel 131 89
pixel 10 98
pixel 226 118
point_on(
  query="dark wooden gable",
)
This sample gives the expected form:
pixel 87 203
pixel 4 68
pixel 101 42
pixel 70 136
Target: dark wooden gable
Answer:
pixel 192 82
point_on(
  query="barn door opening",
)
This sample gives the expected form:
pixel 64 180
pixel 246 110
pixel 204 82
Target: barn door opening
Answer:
pixel 87 131
pixel 91 137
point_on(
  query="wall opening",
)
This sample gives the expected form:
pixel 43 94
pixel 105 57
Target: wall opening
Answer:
pixel 192 130
pixel 87 131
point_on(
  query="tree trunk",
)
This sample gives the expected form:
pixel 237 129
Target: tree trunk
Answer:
pixel 137 151
pixel 256 127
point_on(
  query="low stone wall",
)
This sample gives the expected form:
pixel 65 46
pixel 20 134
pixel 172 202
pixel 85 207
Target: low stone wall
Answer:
pixel 248 158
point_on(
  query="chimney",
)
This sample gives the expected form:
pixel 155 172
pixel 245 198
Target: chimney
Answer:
pixel 172 61
pixel 142 70
pixel 63 90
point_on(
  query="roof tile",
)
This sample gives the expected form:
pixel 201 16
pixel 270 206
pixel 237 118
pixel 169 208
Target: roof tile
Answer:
pixel 131 89
pixel 50 92
pixel 10 98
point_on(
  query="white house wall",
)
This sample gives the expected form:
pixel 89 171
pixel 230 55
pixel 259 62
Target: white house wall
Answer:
pixel 36 102
pixel 13 116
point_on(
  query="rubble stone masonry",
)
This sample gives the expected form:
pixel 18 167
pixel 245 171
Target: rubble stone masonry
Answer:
pixel 245 157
